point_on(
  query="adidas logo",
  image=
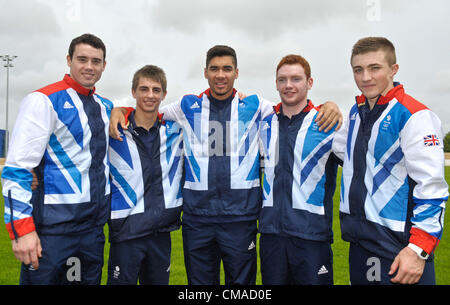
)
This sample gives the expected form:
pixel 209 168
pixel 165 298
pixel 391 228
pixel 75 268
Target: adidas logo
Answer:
pixel 68 105
pixel 116 272
pixel 195 106
pixel 322 270
pixel 252 246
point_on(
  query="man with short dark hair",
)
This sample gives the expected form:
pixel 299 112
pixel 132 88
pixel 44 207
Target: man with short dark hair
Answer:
pixel 61 133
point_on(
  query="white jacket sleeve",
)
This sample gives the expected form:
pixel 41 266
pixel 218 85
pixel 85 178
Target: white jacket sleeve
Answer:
pixel 266 107
pixel 340 140
pixel 172 111
pixel 421 142
pixel 34 125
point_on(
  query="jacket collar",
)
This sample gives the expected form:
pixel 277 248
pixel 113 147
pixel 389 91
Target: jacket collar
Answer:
pixel 308 107
pixel 77 87
pixel 208 92
pixel 130 116
pixel 397 92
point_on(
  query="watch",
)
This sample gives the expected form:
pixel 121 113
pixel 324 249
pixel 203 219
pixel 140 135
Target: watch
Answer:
pixel 420 252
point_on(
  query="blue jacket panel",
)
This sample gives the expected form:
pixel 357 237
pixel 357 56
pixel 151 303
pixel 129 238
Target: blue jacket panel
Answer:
pixel 393 189
pixel 146 185
pixel 62 133
pixel 222 161
pixel 299 176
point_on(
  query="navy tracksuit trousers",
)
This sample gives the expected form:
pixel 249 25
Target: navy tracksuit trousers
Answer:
pixel 207 244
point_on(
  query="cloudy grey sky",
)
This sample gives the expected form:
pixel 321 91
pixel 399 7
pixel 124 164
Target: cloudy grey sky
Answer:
pixel 175 35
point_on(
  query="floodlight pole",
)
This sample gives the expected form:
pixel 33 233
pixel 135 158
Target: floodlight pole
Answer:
pixel 8 64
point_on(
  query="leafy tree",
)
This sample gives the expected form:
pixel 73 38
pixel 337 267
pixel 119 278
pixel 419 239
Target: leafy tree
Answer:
pixel 447 142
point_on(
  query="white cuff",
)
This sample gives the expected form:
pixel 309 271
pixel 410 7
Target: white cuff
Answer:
pixel 420 252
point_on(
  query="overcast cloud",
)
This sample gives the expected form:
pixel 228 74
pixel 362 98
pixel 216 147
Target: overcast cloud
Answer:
pixel 175 35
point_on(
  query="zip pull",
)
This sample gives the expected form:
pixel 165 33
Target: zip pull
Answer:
pixel 11 219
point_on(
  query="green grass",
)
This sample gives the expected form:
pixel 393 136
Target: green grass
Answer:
pixel 442 258
pixel 10 267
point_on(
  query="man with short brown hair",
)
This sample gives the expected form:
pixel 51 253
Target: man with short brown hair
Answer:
pixel 393 188
pixel 146 171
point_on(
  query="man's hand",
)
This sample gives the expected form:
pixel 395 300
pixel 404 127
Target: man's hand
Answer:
pixel 117 117
pixel 409 267
pixel 242 95
pixel 329 114
pixel 34 182
pixel 27 249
